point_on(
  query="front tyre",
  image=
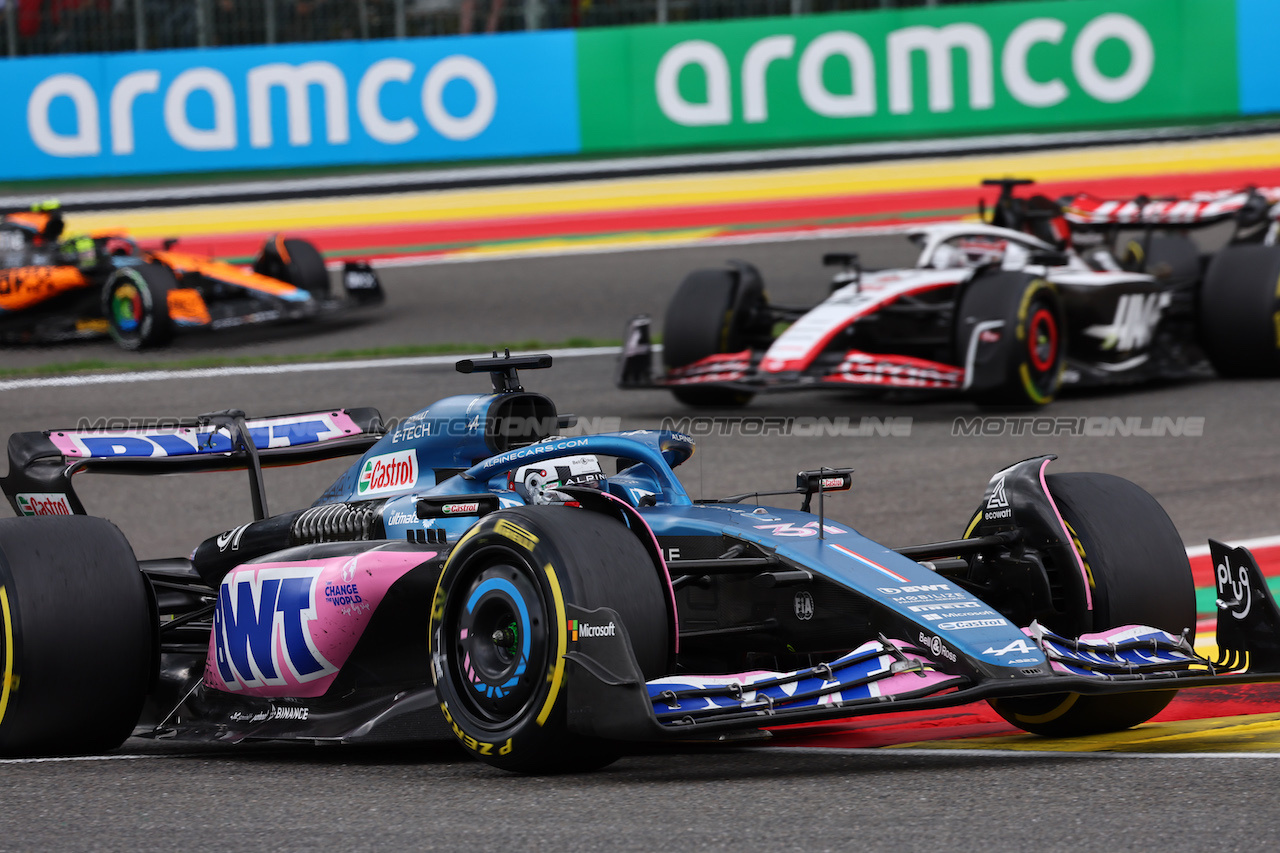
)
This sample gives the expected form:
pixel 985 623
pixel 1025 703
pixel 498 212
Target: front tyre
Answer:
pixel 1011 333
pixel 499 630
pixel 135 301
pixel 1139 575
pixel 714 312
pixel 296 262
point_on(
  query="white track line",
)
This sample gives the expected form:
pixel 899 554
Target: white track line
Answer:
pixel 66 758
pixel 1259 542
pixel 557 250
pixel 80 380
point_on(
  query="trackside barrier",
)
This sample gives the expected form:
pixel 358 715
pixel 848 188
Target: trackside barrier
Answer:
pixel 923 72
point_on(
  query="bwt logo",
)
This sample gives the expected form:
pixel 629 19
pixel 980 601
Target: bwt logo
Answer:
pixel 260 628
pixel 141 90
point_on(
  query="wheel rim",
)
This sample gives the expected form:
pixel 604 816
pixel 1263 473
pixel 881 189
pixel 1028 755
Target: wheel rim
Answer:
pixel 1042 340
pixel 127 308
pixel 500 634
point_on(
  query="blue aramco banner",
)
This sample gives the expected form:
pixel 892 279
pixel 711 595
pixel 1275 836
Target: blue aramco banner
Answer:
pixel 292 105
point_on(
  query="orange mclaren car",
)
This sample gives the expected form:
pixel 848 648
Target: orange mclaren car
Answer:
pixel 55 288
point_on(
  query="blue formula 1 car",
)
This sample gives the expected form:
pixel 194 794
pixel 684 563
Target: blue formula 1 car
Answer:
pixel 473 575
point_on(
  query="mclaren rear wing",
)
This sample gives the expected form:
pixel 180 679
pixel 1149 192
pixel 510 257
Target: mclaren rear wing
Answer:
pixel 41 464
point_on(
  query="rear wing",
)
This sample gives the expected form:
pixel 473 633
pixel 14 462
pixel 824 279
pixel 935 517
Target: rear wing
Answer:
pixel 41 464
pixel 1248 206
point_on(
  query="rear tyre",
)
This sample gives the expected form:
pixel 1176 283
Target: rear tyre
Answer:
pixel 1172 259
pixel 499 633
pixel 1023 366
pixel 135 301
pixel 1139 575
pixel 714 312
pixel 77 636
pixel 1240 311
pixel 294 261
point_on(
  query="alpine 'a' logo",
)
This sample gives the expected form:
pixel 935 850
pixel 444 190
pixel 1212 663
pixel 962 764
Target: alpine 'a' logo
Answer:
pixel 998 498
pixel 1137 316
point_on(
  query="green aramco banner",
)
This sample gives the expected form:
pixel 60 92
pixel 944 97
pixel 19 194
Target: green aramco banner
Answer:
pixel 948 70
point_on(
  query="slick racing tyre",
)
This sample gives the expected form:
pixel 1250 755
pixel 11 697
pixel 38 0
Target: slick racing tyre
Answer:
pixel 135 301
pixel 1240 311
pixel 1173 260
pixel 713 312
pixel 499 632
pixel 1011 329
pixel 294 261
pixel 77 636
pixel 1139 575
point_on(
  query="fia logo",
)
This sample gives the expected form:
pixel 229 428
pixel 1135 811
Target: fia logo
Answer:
pixel 804 606
pixel 1137 316
pixel 1239 600
pixel 998 498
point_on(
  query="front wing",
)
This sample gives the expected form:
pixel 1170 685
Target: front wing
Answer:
pixel 610 698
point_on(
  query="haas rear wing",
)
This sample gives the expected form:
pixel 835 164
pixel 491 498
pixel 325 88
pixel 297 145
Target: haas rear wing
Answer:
pixel 41 464
pixel 1249 206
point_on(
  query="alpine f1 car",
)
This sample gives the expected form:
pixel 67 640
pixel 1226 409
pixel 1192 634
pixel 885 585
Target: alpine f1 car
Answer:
pixel 1037 295
pixel 54 288
pixel 472 576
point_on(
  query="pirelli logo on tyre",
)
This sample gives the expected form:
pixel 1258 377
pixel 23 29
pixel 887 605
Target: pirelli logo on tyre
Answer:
pixel 515 533
pixel 476 745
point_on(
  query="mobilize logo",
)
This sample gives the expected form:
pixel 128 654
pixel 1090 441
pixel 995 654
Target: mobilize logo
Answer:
pixel 584 630
pixel 43 504
pixel 391 472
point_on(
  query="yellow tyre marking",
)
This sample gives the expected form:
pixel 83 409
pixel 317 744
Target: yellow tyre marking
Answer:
pixel 1052 714
pixel 8 652
pixel 557 673
pixel 968 531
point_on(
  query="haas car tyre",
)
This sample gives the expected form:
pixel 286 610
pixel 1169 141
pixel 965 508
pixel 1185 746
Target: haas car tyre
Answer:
pixel 1240 311
pixel 1011 330
pixel 1139 575
pixel 295 261
pixel 135 301
pixel 499 632
pixel 77 636
pixel 715 312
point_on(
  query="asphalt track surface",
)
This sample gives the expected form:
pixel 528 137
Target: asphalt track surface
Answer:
pixel 921 486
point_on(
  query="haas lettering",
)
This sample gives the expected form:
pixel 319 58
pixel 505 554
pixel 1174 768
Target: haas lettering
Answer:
pixel 260 628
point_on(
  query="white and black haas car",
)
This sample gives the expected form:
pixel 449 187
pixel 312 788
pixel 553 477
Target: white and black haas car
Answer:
pixel 473 577
pixel 1008 310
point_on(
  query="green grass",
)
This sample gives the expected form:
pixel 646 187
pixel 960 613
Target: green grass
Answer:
pixel 96 365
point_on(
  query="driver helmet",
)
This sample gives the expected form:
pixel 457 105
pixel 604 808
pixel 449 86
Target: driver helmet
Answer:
pixel 540 482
